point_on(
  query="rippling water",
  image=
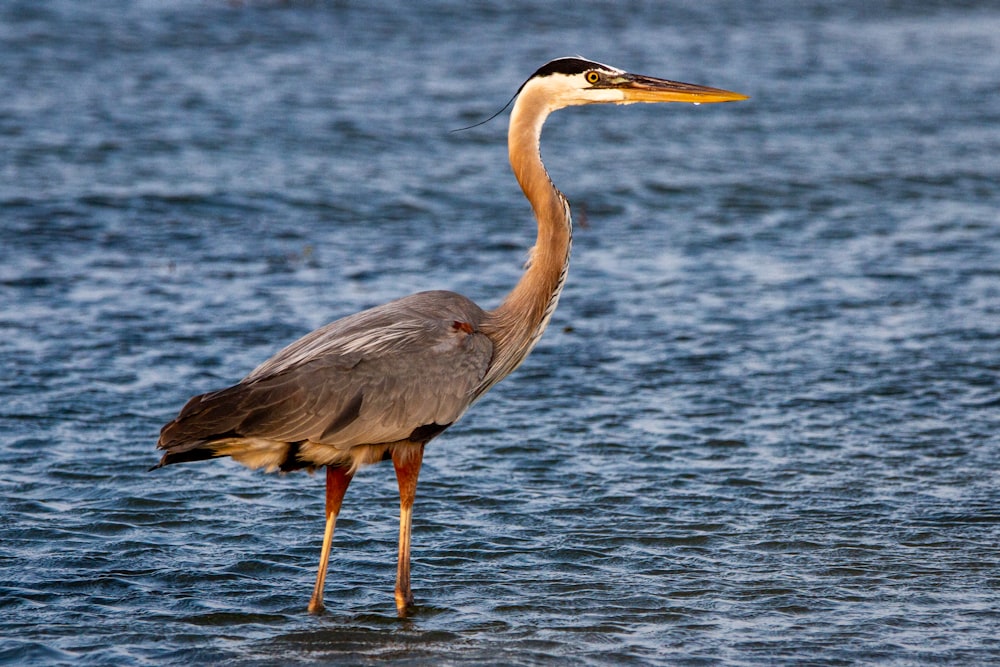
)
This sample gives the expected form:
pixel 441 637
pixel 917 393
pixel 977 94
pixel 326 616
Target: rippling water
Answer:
pixel 762 428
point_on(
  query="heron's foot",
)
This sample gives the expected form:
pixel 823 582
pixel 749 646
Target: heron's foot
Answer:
pixel 316 606
pixel 404 603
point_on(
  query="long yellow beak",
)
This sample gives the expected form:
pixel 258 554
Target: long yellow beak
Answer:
pixel 639 88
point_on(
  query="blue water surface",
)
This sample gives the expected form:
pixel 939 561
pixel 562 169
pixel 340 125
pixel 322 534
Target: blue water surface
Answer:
pixel 763 425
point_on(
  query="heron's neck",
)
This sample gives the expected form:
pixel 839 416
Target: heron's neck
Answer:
pixel 518 323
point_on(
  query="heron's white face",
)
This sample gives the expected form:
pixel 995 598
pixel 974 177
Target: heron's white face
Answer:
pixel 588 87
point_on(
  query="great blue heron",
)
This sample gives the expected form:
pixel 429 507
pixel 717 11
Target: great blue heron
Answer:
pixel 382 383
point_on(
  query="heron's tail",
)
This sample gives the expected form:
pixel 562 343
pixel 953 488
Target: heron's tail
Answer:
pixel 215 424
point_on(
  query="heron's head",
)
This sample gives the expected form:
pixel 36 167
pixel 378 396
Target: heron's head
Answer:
pixel 571 81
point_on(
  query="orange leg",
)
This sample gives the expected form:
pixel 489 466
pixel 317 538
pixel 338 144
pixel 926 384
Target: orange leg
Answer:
pixel 337 480
pixel 407 462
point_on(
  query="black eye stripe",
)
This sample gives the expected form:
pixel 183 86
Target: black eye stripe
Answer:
pixel 565 66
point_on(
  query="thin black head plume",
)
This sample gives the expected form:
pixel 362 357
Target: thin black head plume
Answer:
pixel 483 122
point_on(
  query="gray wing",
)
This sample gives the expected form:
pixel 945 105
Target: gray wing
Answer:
pixel 406 369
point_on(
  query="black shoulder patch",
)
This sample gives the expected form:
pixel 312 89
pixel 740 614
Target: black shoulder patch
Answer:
pixel 565 66
pixel 427 432
pixel 291 461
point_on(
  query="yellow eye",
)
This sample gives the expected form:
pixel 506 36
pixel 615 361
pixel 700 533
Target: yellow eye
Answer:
pixel 592 77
